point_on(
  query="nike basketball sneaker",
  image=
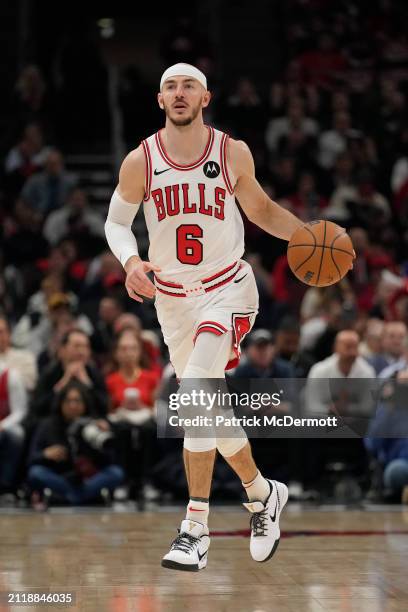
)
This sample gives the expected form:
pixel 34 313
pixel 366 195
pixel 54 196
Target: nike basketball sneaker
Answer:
pixel 189 551
pixel 265 532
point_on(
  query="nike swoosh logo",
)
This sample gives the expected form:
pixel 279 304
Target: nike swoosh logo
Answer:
pixel 240 279
pixel 201 556
pixel 157 172
pixel 273 518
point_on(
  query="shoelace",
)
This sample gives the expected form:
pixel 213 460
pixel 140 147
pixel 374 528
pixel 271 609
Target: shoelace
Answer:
pixel 185 542
pixel 259 522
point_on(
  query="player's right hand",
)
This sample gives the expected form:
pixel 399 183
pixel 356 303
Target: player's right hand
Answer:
pixel 138 283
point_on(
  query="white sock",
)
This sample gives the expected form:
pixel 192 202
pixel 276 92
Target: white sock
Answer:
pixel 258 489
pixel 197 510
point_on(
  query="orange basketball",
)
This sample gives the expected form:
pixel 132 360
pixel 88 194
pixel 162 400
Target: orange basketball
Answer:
pixel 320 253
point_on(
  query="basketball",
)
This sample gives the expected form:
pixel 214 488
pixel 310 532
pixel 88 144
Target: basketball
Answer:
pixel 320 253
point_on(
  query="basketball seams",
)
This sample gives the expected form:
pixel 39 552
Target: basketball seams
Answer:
pixel 337 267
pixel 322 246
pixel 321 259
pixel 326 272
pixel 332 256
pixel 312 253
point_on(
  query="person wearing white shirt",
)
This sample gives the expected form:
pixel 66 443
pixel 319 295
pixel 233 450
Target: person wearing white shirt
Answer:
pixel 345 363
pixel 18 359
pixel 13 409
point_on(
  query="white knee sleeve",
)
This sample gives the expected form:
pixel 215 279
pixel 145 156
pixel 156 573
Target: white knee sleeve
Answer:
pixel 208 360
pixel 209 357
pixel 228 447
pixel 199 445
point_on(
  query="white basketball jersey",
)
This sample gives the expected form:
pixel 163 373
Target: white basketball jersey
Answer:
pixel 195 227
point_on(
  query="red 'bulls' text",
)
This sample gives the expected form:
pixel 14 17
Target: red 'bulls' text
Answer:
pixel 177 199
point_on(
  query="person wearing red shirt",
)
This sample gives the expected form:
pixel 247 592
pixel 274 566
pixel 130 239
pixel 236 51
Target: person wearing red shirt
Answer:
pixel 132 393
pixel 130 373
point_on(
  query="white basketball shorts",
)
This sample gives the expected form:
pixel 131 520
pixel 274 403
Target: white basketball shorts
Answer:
pixel 230 307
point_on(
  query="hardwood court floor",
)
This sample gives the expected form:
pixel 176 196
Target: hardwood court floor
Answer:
pixel 338 561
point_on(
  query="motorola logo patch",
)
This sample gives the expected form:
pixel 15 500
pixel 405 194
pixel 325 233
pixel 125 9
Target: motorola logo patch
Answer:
pixel 211 169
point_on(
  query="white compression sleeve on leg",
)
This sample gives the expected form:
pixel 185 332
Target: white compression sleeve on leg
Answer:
pixel 118 228
pixel 208 360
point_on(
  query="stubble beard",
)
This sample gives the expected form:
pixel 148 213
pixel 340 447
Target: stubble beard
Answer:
pixel 183 121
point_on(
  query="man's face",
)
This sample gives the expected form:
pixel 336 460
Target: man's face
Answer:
pixel 262 354
pixel 182 99
pixel 77 349
pixel 4 336
pixel 347 348
pixel 287 343
pixel 394 338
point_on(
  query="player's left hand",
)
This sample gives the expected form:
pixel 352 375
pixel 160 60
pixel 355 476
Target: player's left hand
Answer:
pixel 138 283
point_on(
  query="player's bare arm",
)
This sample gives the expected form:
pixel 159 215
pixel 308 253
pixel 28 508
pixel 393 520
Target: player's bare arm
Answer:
pixel 255 203
pixel 131 190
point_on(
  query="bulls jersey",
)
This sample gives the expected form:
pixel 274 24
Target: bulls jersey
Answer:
pixel 195 228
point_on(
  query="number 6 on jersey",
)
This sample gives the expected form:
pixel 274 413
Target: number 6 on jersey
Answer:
pixel 189 249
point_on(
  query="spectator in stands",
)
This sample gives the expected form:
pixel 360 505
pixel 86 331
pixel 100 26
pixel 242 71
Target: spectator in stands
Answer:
pixel 260 359
pixel 371 344
pixel 104 272
pixel 344 363
pixel 393 345
pixel 131 373
pixel 13 408
pixel 74 363
pixel 75 219
pixel 322 65
pixel 48 190
pixel 333 143
pixel 23 244
pixel 307 203
pixel 25 158
pixel 37 305
pixel 110 309
pixel 23 361
pixel 341 174
pixel 339 314
pixel 72 454
pixel 362 205
pixel 132 390
pixel 151 347
pixel 36 331
pixel 360 275
pixel 399 175
pixel 387 437
pixel 287 347
pixel 294 121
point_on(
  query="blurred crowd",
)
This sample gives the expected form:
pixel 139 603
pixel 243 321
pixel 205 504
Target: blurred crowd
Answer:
pixel 81 365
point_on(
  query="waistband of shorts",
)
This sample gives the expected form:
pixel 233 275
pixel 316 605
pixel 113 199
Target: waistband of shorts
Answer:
pixel 200 287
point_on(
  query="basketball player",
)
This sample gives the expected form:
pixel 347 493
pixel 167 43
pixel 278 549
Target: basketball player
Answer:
pixel 188 176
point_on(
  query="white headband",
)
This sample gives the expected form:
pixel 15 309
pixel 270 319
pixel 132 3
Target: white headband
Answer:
pixel 184 70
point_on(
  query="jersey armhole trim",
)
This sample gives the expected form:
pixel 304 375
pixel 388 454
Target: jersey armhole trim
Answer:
pixel 148 179
pixel 224 166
